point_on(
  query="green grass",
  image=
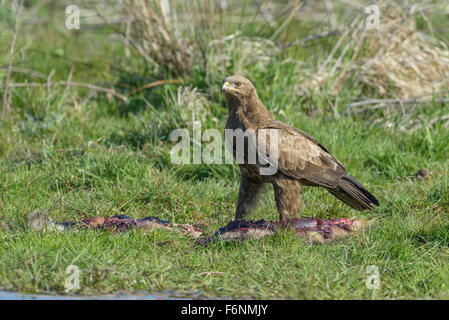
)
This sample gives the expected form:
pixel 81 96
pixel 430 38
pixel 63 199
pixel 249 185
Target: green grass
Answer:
pixel 47 163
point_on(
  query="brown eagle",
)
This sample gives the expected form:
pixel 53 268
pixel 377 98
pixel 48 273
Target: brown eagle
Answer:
pixel 301 160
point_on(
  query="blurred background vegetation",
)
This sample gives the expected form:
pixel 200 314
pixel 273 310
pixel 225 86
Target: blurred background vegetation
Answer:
pixel 306 58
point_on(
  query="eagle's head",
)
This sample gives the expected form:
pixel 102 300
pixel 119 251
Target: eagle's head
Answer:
pixel 237 86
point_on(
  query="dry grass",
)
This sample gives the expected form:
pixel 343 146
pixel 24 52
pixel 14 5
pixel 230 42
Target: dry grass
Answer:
pixel 240 53
pixel 171 36
pixel 395 61
pixel 396 56
pixel 177 37
pixel 192 104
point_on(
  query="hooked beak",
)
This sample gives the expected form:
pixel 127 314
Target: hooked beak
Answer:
pixel 226 87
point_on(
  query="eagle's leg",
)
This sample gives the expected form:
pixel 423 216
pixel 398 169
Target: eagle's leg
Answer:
pixel 288 200
pixel 248 194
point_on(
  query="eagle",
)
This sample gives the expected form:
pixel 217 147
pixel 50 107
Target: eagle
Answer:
pixel 301 160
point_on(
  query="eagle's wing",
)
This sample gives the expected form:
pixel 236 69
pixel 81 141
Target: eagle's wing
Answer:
pixel 301 157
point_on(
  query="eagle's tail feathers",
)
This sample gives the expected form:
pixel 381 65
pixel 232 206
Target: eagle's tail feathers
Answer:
pixel 351 192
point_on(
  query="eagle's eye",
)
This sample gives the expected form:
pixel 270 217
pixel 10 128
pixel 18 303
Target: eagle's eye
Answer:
pixel 238 84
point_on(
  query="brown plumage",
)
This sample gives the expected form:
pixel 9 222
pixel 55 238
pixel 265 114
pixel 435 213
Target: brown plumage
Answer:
pixel 301 159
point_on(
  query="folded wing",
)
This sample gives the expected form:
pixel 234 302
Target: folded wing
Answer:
pixel 303 158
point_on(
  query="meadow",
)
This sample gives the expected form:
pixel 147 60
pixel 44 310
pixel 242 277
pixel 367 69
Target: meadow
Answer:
pixel 88 114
